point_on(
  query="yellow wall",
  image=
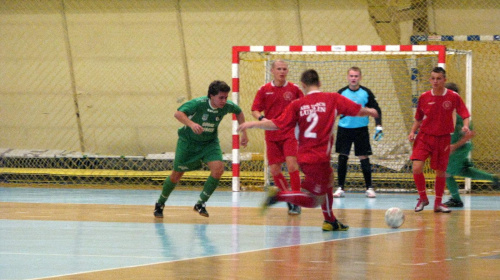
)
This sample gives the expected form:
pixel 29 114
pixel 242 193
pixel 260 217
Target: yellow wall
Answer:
pixel 134 62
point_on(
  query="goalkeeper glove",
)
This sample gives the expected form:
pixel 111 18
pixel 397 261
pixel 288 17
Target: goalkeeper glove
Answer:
pixel 378 133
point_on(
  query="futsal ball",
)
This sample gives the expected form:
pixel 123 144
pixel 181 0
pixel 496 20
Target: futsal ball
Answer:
pixel 394 217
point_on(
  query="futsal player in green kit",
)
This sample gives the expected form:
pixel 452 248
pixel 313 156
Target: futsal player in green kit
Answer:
pixel 198 142
pixel 459 163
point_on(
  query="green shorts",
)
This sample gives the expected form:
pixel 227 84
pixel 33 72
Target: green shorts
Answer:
pixel 459 161
pixel 190 155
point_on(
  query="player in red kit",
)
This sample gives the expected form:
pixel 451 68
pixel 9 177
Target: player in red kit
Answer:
pixel 434 122
pixel 281 145
pixel 315 116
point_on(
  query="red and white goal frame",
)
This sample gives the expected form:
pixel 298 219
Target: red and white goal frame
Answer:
pixel 439 50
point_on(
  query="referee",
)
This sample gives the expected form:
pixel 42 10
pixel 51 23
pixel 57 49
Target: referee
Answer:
pixel 355 130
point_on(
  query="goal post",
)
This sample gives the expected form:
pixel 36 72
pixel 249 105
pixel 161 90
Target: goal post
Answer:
pixel 397 74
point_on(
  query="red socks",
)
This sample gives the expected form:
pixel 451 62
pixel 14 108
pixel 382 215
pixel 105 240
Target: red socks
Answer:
pixel 298 198
pixel 420 183
pixel 439 188
pixel 327 207
pixel 280 182
pixel 295 181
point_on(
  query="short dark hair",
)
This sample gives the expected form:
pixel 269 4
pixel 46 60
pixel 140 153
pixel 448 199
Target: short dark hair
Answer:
pixel 217 86
pixel 439 70
pixel 310 77
pixel 452 86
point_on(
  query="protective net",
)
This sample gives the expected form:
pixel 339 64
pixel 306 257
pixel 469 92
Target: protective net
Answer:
pixel 397 79
pixel 88 88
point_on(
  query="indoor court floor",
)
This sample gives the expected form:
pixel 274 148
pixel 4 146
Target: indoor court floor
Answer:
pixel 63 233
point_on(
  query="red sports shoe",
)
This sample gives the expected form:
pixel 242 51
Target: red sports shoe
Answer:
pixel 420 204
pixel 441 209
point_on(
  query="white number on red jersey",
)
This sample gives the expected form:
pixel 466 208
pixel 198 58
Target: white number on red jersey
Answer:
pixel 313 119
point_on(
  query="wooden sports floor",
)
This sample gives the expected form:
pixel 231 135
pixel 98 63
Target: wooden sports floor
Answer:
pixel 59 233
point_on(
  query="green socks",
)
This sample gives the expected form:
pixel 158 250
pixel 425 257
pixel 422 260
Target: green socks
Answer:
pixel 168 187
pixel 453 188
pixel 208 189
pixel 470 172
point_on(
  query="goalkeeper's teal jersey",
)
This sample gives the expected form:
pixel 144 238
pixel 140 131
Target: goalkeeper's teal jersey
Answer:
pixel 201 112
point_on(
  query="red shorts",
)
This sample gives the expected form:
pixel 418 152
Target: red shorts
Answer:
pixel 318 177
pixel 437 147
pixel 277 151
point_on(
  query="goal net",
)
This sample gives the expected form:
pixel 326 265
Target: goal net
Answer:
pixel 397 75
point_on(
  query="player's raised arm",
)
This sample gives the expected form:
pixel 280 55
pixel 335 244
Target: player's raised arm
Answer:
pixel 368 112
pixel 266 125
pixel 183 118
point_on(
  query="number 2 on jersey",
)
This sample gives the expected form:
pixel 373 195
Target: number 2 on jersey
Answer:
pixel 313 119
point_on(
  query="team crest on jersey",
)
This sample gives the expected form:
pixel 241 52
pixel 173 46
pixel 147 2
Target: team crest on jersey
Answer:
pixel 288 96
pixel 204 117
pixel 447 105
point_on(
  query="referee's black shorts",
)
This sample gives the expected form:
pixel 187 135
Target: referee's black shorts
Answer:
pixel 359 136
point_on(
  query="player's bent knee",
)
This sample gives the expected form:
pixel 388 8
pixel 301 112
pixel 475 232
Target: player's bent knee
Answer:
pixel 217 174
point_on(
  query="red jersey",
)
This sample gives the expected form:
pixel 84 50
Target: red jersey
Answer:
pixel 273 100
pixel 437 112
pixel 315 115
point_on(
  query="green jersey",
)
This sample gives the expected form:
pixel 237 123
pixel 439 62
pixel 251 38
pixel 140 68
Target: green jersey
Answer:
pixel 459 159
pixel 457 135
pixel 201 112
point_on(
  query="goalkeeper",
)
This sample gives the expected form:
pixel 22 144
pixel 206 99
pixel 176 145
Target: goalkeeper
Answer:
pixel 355 130
pixel 459 163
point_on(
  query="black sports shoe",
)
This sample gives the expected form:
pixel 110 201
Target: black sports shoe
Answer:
pixel 453 203
pixel 270 199
pixel 334 226
pixel 159 210
pixel 296 210
pixel 200 208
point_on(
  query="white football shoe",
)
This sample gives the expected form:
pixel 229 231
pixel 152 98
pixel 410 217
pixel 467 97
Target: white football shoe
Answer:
pixel 370 193
pixel 339 193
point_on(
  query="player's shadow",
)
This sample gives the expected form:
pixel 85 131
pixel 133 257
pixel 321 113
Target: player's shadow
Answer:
pixel 176 243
